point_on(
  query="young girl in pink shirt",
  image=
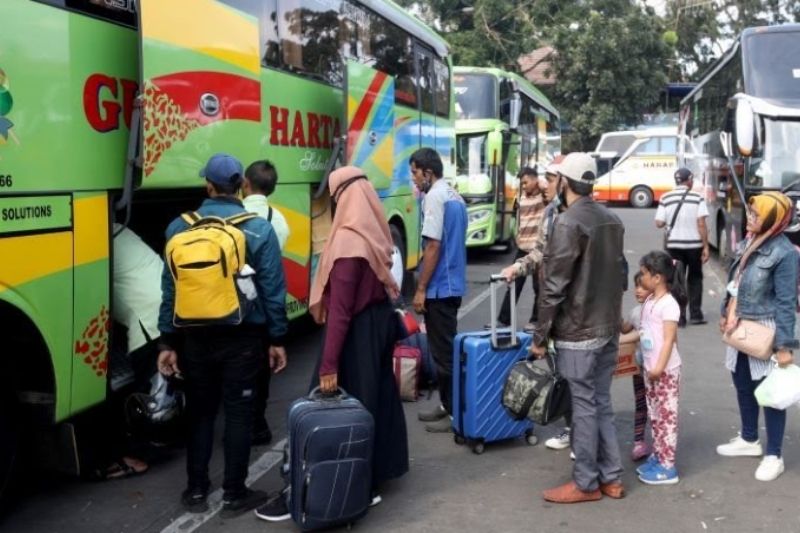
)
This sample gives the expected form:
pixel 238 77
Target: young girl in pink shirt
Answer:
pixel 662 366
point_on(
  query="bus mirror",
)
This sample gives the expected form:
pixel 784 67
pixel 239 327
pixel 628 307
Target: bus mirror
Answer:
pixel 516 110
pixel 725 141
pixel 745 125
pixel 494 147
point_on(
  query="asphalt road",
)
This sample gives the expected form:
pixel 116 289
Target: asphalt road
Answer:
pixel 451 489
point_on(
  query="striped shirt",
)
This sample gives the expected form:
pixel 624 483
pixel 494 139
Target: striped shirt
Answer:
pixel 528 264
pixel 684 235
pixel 529 218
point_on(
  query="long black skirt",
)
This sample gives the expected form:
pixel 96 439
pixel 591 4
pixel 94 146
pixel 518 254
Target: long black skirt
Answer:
pixel 365 372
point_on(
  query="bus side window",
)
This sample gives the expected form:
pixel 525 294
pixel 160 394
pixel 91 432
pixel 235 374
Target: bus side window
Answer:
pixel 442 88
pixel 394 55
pixel 309 38
pixel 425 79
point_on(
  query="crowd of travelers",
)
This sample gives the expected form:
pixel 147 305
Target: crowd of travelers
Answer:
pixel 225 351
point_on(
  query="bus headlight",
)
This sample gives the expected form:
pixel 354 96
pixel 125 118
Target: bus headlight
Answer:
pixel 479 216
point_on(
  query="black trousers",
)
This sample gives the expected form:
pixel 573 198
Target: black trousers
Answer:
pixel 692 258
pixel 262 393
pixel 441 323
pixel 505 308
pixel 220 367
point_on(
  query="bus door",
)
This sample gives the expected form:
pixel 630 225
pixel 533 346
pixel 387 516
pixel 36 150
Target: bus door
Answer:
pixel 200 88
pixel 370 123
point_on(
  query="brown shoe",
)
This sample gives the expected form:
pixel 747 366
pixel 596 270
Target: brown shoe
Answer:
pixel 570 493
pixel 613 490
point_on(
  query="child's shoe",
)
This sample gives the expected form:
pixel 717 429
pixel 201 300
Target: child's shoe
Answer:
pixel 640 450
pixel 647 465
pixel 659 475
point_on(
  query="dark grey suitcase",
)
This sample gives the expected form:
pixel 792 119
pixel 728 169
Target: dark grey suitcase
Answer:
pixel 329 459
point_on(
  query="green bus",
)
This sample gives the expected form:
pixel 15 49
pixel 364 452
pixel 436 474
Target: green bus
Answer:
pixel 503 123
pixel 108 108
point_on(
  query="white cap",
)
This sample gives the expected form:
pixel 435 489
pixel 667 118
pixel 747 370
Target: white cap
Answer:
pixel 554 165
pixel 580 167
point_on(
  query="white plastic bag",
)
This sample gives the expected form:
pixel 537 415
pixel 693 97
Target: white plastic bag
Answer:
pixel 397 267
pixel 781 388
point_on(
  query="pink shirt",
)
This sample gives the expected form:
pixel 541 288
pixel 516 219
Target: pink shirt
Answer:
pixel 656 311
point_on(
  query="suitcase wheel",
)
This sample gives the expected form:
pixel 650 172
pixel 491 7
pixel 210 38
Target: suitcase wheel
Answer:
pixel 531 439
pixel 478 447
pixel 458 439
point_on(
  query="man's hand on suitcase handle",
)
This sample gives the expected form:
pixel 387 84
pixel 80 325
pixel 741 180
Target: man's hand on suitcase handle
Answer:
pixel 329 383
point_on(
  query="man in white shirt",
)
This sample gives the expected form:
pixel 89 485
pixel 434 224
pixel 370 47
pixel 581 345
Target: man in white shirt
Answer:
pixel 260 180
pixel 687 239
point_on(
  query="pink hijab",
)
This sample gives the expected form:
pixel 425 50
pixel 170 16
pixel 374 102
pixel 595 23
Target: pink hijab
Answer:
pixel 359 230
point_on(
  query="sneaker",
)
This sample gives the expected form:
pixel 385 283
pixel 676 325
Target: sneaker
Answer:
pixel 261 437
pixel 275 510
pixel 659 475
pixel 438 413
pixel 194 500
pixel 698 321
pixel 770 468
pixel 530 327
pixel 738 447
pixel 560 441
pixel 640 450
pixel 647 465
pixel 235 506
pixel 443 425
pixel 376 499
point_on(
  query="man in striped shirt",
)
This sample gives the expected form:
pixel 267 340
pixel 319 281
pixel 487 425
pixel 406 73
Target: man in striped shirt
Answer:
pixel 687 239
pixel 529 219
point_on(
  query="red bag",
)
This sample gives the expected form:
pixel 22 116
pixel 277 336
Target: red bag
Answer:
pixel 408 324
pixel 407 369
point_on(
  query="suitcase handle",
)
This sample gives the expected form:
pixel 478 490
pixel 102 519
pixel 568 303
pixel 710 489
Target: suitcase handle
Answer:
pixel 512 341
pixel 316 394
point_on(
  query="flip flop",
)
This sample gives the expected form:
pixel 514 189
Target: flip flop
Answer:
pixel 119 469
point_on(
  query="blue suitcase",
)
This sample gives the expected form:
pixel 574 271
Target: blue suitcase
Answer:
pixel 329 460
pixel 481 363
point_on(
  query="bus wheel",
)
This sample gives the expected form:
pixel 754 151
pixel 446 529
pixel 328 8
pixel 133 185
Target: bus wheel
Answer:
pixel 641 197
pixel 9 443
pixel 399 246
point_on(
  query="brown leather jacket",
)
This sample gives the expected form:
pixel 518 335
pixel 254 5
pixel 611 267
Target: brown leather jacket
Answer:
pixel 584 271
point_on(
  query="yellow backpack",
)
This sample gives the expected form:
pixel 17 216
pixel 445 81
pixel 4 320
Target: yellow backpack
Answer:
pixel 205 261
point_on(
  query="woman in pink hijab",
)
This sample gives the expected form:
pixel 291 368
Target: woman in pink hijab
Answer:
pixel 351 296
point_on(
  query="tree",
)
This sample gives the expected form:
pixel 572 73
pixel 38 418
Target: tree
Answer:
pixel 610 66
pixel 705 28
pixel 483 33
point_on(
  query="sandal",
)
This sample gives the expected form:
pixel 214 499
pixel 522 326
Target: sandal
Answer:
pixel 119 469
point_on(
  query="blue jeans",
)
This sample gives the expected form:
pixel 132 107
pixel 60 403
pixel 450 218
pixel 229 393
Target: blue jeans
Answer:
pixel 748 409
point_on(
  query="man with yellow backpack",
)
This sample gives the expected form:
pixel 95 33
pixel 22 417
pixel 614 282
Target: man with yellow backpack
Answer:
pixel 223 292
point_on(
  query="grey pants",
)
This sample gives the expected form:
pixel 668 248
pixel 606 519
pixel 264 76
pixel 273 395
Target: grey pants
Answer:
pixel 593 436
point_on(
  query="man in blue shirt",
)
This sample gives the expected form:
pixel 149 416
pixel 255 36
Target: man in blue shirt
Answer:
pixel 222 361
pixel 442 278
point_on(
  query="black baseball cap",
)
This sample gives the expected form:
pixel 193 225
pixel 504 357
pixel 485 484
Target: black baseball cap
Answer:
pixel 682 175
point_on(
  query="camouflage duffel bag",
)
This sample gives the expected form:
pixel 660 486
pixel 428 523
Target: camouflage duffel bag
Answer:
pixel 535 392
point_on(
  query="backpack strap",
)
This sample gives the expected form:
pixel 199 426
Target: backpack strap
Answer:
pixel 191 217
pixel 269 213
pixel 240 217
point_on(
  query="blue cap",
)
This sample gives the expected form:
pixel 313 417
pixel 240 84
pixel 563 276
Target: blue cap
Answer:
pixel 221 169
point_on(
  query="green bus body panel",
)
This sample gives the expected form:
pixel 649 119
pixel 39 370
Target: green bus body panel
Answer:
pixel 35 213
pixel 72 79
pixel 370 123
pixel 47 302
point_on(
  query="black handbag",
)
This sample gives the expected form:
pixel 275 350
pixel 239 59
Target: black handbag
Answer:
pixel 536 392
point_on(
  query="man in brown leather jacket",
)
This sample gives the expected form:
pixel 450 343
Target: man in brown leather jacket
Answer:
pixel 579 309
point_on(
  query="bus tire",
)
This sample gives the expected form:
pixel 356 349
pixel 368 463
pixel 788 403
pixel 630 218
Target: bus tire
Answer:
pixel 641 197
pixel 11 431
pixel 723 242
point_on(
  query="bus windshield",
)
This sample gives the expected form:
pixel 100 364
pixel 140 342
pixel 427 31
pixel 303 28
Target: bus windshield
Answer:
pixel 780 164
pixel 770 74
pixel 475 96
pixel 471 168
